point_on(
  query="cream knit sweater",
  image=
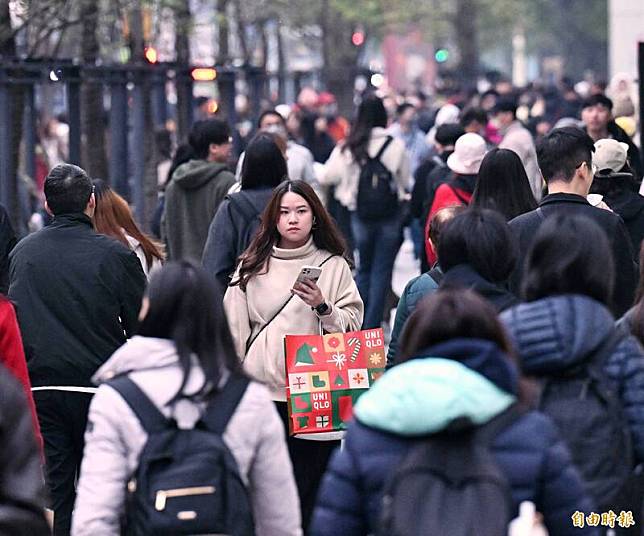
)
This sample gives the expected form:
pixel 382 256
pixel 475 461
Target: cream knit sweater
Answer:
pixel 248 311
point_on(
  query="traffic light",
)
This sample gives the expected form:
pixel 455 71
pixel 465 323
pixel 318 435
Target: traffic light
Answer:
pixel 358 37
pixel 204 74
pixel 151 55
pixel 441 55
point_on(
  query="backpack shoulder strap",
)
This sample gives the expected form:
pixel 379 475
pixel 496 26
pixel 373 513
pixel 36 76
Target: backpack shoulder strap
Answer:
pixel 458 196
pixel 383 148
pixel 436 275
pixel 224 403
pixel 488 431
pixel 151 419
pixel 243 204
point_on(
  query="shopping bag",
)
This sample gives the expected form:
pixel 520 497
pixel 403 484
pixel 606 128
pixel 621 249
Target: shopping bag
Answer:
pixel 325 376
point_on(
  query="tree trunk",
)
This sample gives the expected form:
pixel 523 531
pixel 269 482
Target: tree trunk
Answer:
pixel 241 31
pixel 281 64
pixel 465 23
pixel 8 52
pixel 222 25
pixel 182 19
pixel 93 153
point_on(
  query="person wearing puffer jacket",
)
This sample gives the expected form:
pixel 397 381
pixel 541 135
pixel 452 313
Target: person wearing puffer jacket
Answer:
pixel 184 349
pixel 455 364
pixel 568 287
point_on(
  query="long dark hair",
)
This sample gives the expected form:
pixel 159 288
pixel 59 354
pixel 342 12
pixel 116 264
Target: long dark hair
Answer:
pixel 325 233
pixel 264 165
pixel 569 255
pixel 503 185
pixel 186 306
pixel 371 113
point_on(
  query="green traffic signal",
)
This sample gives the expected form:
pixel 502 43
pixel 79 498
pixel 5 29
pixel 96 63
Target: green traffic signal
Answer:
pixel 441 55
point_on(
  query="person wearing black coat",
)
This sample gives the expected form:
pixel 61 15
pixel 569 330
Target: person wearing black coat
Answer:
pixel 565 160
pixel 22 487
pixel 455 366
pixel 239 215
pixel 7 243
pixel 77 295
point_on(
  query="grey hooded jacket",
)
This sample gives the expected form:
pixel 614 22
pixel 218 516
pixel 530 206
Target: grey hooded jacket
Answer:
pixel 115 439
pixel 191 202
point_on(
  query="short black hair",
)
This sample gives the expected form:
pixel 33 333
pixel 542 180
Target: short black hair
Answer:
pixel 267 113
pixel 474 114
pixel 569 255
pixel 402 108
pixel 561 151
pixel 505 104
pixel 264 165
pixel 594 100
pixel 482 239
pixel 206 132
pixel 67 189
pixel 448 133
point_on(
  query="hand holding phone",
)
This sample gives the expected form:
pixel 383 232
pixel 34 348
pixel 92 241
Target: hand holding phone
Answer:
pixel 306 288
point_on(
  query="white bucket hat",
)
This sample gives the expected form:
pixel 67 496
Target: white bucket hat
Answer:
pixel 469 151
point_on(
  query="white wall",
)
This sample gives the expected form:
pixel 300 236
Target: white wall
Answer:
pixel 625 30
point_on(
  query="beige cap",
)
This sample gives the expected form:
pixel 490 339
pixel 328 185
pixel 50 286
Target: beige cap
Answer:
pixel 610 154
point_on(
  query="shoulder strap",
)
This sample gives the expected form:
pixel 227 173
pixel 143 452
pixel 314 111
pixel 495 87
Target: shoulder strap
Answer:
pixel 151 419
pixel 604 351
pixel 459 196
pixel 436 275
pixel 488 431
pixel 251 341
pixel 243 204
pixel 222 406
pixel 383 148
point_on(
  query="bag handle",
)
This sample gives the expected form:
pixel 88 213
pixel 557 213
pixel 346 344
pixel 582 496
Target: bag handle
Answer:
pixel 249 344
pixel 383 148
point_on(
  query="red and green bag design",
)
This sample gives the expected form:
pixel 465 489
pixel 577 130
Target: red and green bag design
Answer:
pixel 326 374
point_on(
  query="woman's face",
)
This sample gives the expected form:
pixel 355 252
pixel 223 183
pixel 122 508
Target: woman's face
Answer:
pixel 295 220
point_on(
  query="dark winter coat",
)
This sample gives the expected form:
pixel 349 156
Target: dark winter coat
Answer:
pixel 22 485
pixel 630 206
pixel 473 380
pixel 231 230
pixel 526 225
pixel 556 333
pixel 192 198
pixel 7 243
pixel 78 295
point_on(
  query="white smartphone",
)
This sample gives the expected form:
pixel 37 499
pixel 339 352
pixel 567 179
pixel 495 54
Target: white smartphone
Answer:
pixel 309 272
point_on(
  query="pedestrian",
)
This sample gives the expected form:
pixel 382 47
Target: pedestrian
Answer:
pixel 455 366
pixel 77 294
pixel 464 164
pixel 239 215
pixel 406 129
pixel 424 284
pixel 565 159
pixel 597 116
pixel 476 250
pixel 565 322
pixel 503 185
pixel 196 189
pixel 615 182
pixel 183 352
pixel 299 159
pixel 264 303
pixel 376 215
pixel 22 486
pixel 518 138
pixel 114 218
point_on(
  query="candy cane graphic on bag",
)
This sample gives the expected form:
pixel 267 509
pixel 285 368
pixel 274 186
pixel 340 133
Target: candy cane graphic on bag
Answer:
pixel 357 345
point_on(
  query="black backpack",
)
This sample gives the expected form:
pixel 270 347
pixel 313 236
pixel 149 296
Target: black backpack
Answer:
pixel 588 413
pixel 450 484
pixel 377 190
pixel 187 480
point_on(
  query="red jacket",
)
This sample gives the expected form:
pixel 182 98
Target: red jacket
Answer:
pixel 446 196
pixel 12 355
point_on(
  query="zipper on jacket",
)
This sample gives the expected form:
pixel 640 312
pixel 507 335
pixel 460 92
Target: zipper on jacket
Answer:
pixel 164 494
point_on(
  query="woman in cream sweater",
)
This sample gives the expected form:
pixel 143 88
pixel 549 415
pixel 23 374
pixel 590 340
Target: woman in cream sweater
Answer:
pixel 264 303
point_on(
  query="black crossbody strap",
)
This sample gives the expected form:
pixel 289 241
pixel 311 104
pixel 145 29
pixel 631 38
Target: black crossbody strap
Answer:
pixel 383 148
pixel 151 419
pixel 251 341
pixel 488 431
pixel 223 405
